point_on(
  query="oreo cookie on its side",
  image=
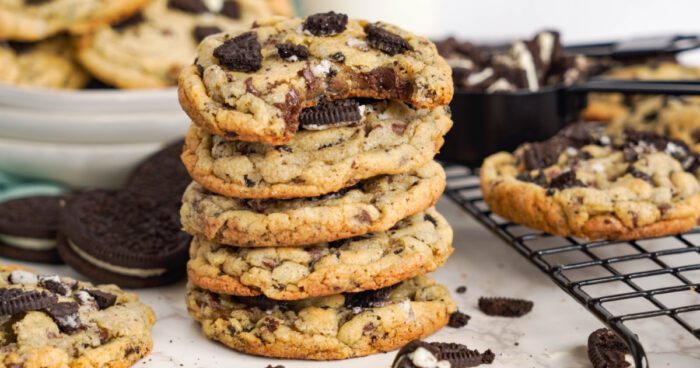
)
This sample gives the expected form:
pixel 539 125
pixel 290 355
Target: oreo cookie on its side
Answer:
pixel 28 228
pixel 331 114
pixel 607 350
pixel 162 176
pixel 122 237
pixel 418 354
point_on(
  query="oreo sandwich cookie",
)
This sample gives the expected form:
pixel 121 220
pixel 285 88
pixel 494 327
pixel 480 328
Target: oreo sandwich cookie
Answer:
pixel 121 237
pixel 417 354
pixel 28 228
pixel 162 176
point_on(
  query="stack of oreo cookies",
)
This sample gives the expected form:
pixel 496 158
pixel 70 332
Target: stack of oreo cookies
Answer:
pixel 311 209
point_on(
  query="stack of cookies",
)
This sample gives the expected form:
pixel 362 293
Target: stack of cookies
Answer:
pixel 311 208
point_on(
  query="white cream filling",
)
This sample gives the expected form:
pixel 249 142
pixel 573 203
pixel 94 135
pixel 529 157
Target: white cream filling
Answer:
pixel 128 271
pixel 28 243
pixel 476 78
pixel 423 358
pixel 214 6
pixel 500 85
pixel 546 43
pixel 523 58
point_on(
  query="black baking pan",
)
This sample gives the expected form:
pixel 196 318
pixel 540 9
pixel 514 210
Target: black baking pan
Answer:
pixel 488 123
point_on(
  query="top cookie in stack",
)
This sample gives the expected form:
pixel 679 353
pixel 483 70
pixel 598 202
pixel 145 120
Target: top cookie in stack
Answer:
pixel 311 149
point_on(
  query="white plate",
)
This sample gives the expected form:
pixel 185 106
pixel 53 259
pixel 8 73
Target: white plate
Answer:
pixel 108 100
pixel 75 165
pixel 91 127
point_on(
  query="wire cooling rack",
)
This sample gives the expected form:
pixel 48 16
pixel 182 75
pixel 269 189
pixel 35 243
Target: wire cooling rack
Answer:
pixel 606 277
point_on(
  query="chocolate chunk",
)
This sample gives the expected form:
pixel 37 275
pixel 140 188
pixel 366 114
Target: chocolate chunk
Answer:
pixel 292 52
pixel 368 298
pixel 66 316
pixel 505 307
pixel 54 285
pixel 189 6
pixel 338 57
pixel 231 9
pixel 430 219
pixel 458 319
pixel 607 350
pixel 639 174
pixel 261 302
pixel 241 53
pixel 325 24
pixel 385 41
pixel 131 21
pixel 461 290
pixel 585 133
pixel 201 32
pixel 13 301
pixel 565 180
pixel 21 47
pixel 103 299
pixel 663 208
pixel 458 355
pixel 331 114
pixel 36 2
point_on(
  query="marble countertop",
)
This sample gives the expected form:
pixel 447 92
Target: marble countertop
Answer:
pixel 553 335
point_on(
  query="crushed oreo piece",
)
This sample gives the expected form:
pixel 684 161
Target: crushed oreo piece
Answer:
pixel 639 174
pixel 292 52
pixel 607 350
pixel 261 302
pixel 565 180
pixel 338 57
pixel 13 300
pixel 540 155
pixel 136 18
pixel 231 9
pixel 385 41
pixel 461 290
pixel 65 315
pixel 201 32
pixel 540 178
pixel 277 366
pixel 423 354
pixel 458 319
pixel 430 219
pixel 505 307
pixel 368 298
pixel 54 285
pixel 330 115
pixel 36 2
pixel 103 299
pixel 325 24
pixel 241 53
pixel 189 6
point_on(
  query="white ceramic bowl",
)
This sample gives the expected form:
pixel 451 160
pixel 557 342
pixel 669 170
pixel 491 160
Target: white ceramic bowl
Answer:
pixel 107 100
pixel 76 165
pixel 91 127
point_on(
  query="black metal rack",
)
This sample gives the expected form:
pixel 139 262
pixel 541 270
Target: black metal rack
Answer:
pixel 569 262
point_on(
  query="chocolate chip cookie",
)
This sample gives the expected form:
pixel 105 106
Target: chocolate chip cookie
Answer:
pixel 33 20
pixel 391 138
pixel 149 49
pixel 371 206
pixel 53 321
pixel 339 326
pixel 50 64
pixel 414 246
pixel 586 183
pixel 612 106
pixel 256 85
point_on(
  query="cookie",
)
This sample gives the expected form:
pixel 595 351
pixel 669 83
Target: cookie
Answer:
pixel 505 307
pixel 585 183
pixel 27 20
pixel 391 139
pixel 161 177
pixel 373 205
pixel 53 321
pixel 120 237
pixel 611 106
pixel 339 326
pixel 48 64
pixel 607 350
pixel 248 86
pixel 29 227
pixel 414 246
pixel 149 49
pixel 421 354
pixel 675 116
